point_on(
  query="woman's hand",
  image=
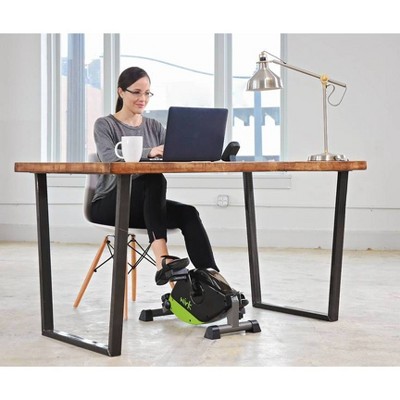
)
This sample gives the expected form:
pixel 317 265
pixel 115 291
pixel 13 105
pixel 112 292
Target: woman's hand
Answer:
pixel 156 151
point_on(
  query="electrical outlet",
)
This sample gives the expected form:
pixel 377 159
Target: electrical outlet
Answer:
pixel 223 200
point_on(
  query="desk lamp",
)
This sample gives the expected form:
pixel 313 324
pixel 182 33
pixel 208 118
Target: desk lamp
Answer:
pixel 265 79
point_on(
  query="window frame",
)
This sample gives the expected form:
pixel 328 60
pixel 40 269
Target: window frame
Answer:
pixel 51 97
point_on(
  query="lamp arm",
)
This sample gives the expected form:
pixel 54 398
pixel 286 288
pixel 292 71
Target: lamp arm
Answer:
pixel 304 71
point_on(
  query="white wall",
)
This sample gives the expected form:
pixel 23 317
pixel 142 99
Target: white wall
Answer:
pixel 293 209
pixel 20 132
pixel 364 127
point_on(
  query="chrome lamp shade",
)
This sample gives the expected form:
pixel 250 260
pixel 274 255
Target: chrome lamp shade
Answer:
pixel 264 78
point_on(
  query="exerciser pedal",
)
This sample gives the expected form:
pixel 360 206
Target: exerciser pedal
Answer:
pixel 202 296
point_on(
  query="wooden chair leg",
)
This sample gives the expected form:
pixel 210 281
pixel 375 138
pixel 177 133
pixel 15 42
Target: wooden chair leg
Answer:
pixel 134 271
pixel 90 272
pixel 126 294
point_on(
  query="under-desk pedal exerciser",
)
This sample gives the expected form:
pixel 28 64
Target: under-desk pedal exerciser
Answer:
pixel 202 296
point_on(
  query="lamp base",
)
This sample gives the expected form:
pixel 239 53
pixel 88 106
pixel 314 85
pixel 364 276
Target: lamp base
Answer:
pixel 328 157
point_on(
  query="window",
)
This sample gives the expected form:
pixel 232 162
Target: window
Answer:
pixel 181 75
pixel 81 71
pixel 73 91
pixel 256 119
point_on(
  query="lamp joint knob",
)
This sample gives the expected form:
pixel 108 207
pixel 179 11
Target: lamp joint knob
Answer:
pixel 324 79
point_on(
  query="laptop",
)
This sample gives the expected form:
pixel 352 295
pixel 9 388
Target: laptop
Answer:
pixel 194 134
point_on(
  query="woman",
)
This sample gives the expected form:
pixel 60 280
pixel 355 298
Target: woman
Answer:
pixel 149 207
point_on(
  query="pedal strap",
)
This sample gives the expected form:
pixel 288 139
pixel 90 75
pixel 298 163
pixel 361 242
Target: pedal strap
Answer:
pixel 169 269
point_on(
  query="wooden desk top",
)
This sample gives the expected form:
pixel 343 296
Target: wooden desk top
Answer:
pixel 124 168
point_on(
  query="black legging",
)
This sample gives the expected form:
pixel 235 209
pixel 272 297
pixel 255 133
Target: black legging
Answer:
pixel 149 209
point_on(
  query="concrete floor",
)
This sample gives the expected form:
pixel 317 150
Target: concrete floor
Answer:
pixel 367 333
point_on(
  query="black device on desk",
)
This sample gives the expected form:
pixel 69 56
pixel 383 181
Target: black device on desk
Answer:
pixel 230 151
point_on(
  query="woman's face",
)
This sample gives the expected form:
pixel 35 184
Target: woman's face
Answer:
pixel 136 96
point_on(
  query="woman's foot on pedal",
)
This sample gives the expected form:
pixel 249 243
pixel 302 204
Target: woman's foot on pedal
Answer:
pixel 168 268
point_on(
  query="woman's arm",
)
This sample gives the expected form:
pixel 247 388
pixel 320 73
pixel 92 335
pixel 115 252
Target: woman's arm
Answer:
pixel 154 139
pixel 105 139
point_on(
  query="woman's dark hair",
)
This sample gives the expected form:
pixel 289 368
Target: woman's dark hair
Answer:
pixel 127 77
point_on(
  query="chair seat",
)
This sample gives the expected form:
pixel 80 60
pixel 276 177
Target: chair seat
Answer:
pixel 131 231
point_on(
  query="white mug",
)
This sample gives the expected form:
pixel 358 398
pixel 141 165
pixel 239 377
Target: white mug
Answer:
pixel 132 147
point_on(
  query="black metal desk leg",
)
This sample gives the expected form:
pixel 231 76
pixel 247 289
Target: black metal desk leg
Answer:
pixel 119 266
pixel 42 214
pixel 337 253
pixel 46 292
pixel 337 246
pixel 252 237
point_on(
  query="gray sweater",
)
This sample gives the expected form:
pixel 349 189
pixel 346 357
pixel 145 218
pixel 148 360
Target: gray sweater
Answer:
pixel 108 132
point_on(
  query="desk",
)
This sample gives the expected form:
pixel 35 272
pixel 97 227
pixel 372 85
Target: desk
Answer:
pixel 123 172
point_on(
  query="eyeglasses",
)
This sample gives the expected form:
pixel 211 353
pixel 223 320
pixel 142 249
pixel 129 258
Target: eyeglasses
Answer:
pixel 137 93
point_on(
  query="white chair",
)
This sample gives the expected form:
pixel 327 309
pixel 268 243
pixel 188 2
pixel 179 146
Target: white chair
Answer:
pixel 136 254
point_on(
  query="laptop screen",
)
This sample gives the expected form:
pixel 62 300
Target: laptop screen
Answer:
pixel 195 134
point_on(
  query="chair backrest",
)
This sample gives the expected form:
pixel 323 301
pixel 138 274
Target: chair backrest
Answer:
pixel 90 186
